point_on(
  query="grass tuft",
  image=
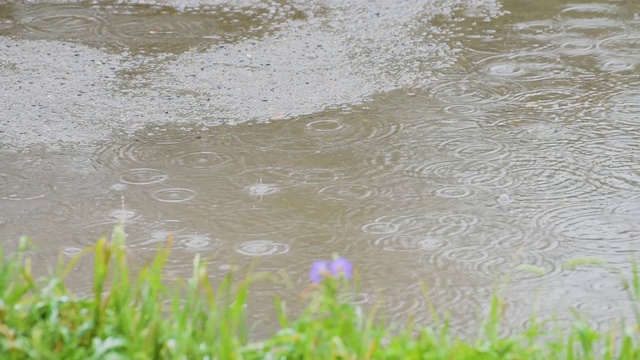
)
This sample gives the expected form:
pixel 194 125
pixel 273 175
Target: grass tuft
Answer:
pixel 140 317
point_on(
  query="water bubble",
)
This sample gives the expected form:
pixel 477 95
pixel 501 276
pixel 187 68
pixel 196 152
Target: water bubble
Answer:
pixel 123 215
pixel 228 267
pixel 275 177
pixel 118 187
pixel 506 69
pixel 262 189
pixel 505 199
pixel 71 251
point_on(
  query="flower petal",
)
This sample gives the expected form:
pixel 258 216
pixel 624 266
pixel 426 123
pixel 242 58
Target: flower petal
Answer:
pixel 341 266
pixel 319 269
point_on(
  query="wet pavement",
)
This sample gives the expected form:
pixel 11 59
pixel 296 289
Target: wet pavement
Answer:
pixel 109 67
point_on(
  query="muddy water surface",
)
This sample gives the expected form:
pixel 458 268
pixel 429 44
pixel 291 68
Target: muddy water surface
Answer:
pixel 521 155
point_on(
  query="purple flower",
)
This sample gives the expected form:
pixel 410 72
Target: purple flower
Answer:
pixel 321 269
pixel 341 266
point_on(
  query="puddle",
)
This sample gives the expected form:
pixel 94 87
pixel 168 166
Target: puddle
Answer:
pixel 518 156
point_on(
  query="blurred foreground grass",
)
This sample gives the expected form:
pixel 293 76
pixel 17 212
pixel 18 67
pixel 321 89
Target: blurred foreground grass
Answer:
pixel 139 317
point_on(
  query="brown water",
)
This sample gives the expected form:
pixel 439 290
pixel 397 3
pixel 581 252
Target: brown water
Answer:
pixel 525 153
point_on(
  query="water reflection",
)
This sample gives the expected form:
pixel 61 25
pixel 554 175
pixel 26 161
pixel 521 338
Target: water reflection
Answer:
pixel 519 159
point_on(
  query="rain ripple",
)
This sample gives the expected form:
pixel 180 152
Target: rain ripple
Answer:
pixel 16 188
pixel 117 153
pixel 578 47
pixel 524 267
pixel 613 163
pixel 475 91
pixel 589 9
pixel 316 176
pixel 355 298
pixel 155 145
pixel 410 307
pixel 75 21
pixel 528 66
pixel 462 109
pixel 627 104
pixel 408 243
pixel 348 192
pixel 143 176
pixel 197 242
pixel 136 27
pixel 454 192
pixel 541 30
pixel 621 46
pixel 317 242
pixel 605 310
pixel 447 290
pixel 262 248
pixel 71 251
pixel 439 225
pixel 352 130
pixel 255 221
pixel 123 215
pixel 619 65
pixel 260 181
pixel 262 189
pixel 174 195
pixel 475 174
pixel 514 237
pixel 140 231
pixel 597 25
pixel 469 256
pixel 477 149
pixel 313 135
pixel 591 17
pixel 627 210
pixel 591 227
pixel 553 183
pixel 552 99
pixel 205 160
